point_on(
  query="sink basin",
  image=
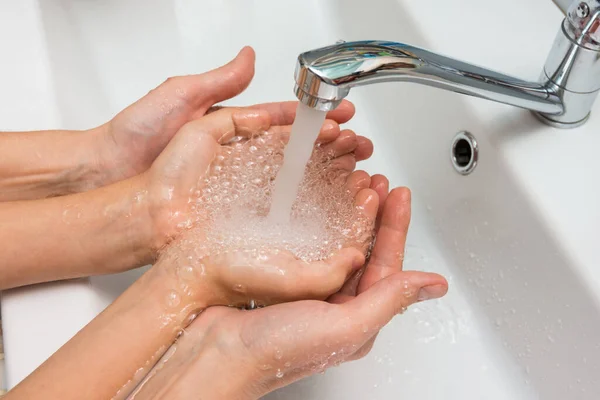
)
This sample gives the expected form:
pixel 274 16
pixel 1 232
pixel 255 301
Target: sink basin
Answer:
pixel 516 238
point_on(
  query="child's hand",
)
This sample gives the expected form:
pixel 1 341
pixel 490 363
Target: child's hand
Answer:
pixel 239 277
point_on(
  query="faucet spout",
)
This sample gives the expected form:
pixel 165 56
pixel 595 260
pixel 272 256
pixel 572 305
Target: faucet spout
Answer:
pixel 325 76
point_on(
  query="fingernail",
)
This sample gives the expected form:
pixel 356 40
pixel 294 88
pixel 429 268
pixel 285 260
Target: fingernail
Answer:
pixel 431 292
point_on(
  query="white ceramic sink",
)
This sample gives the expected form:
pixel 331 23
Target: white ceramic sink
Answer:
pixel 516 238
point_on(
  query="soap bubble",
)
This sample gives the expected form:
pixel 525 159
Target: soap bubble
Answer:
pixel 232 204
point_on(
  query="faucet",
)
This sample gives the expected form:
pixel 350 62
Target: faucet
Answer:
pixel 563 97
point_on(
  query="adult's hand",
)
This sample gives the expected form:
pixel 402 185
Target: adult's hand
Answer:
pixel 111 224
pixel 41 164
pixel 129 143
pixel 228 353
pixel 123 225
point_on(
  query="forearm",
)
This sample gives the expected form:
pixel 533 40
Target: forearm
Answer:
pixel 101 231
pixel 42 164
pixel 118 347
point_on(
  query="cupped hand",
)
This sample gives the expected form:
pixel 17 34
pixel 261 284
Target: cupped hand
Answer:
pixel 236 277
pixel 129 143
pixel 274 275
pixel 167 187
pixel 272 347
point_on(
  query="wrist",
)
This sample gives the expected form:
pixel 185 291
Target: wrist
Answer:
pixel 123 221
pixel 218 362
pixel 144 233
pixel 104 169
pixel 87 172
pixel 45 164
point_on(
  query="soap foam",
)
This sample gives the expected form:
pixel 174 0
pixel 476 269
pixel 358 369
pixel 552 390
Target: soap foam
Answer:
pixel 230 209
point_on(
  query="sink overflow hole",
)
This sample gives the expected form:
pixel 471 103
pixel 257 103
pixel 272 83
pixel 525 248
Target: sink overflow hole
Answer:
pixel 464 153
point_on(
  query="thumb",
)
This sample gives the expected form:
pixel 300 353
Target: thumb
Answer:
pixel 188 156
pixel 202 91
pixel 205 90
pixel 183 163
pixel 159 114
pixel 375 307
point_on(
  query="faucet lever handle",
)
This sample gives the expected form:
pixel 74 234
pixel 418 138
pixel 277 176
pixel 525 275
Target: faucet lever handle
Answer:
pixel 583 23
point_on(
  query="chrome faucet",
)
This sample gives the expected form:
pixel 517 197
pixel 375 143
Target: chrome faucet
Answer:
pixel 563 97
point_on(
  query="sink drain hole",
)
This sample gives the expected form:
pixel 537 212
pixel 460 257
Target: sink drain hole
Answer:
pixel 464 153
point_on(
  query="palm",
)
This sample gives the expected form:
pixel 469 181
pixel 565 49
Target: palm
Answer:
pixel 293 340
pixel 276 345
pixel 238 278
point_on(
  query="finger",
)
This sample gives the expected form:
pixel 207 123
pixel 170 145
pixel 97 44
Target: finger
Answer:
pixel 220 84
pixel 184 161
pixel 199 92
pixel 345 143
pixel 284 113
pixel 224 124
pixel 329 131
pixel 346 162
pixel 381 185
pixel 348 291
pixel 367 203
pixel 330 332
pixel 344 295
pixel 357 181
pixel 364 148
pixel 375 307
pixel 435 291
pixel 320 280
pixel 388 251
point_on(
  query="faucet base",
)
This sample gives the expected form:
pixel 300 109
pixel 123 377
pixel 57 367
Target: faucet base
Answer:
pixel 560 125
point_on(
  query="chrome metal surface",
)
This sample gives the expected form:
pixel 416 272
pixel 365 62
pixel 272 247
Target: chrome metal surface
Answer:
pixel 329 73
pixel 563 98
pixel 581 24
pixel 583 10
pixel 464 162
pixel 573 66
pixel 572 69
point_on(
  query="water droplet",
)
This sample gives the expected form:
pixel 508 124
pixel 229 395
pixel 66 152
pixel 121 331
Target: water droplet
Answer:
pixel 173 299
pixel 239 288
pixel 186 272
pixel 279 374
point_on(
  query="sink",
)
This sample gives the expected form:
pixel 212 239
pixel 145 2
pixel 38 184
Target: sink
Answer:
pixel 516 238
